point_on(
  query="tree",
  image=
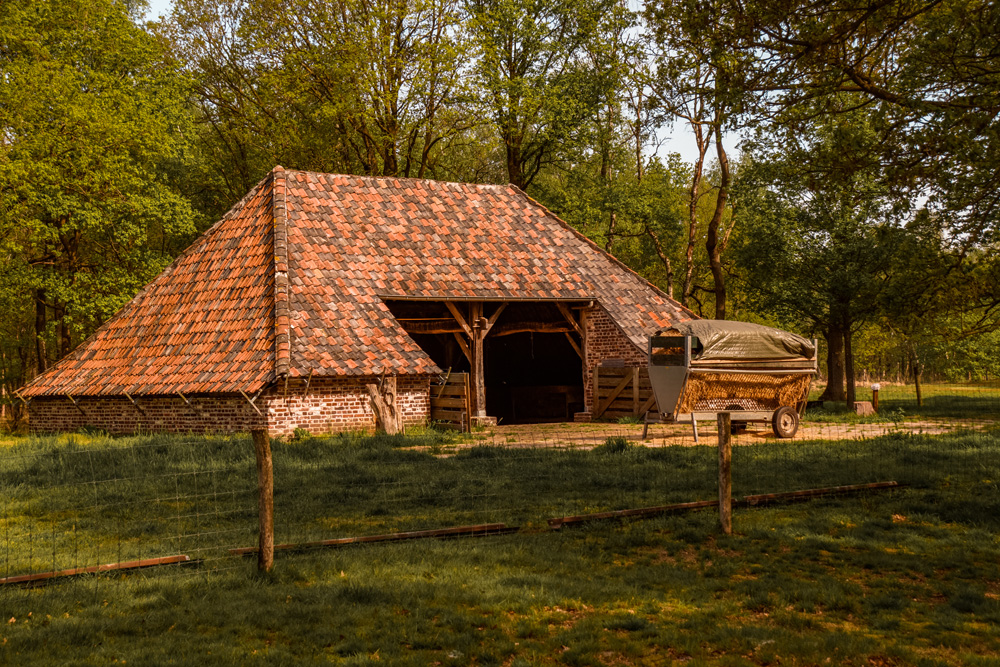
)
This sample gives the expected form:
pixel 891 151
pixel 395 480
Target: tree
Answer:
pixel 530 71
pixel 822 236
pixel 373 87
pixel 697 83
pixel 92 123
pixel 931 70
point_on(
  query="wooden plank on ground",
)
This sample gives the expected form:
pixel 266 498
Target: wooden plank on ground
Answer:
pixel 788 496
pixel 39 577
pixel 457 531
pixel 748 501
pixel 561 521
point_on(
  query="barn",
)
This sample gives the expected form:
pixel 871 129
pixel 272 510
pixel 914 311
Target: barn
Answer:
pixel 315 286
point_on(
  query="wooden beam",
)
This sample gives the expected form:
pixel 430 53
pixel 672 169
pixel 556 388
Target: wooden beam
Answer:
pixel 530 327
pixel 250 401
pixel 495 315
pixel 458 531
pixel 459 318
pixel 576 348
pixel 445 383
pixel 75 404
pixel 308 380
pixel 134 403
pixel 185 398
pixel 569 317
pixel 614 394
pixel 478 366
pixel 650 402
pixel 432 327
pixel 559 522
pixel 635 393
pixel 464 346
pixel 39 577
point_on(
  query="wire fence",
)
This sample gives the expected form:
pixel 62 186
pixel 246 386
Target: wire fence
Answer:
pixel 85 501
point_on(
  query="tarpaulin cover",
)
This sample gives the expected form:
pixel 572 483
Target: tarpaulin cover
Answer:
pixel 722 339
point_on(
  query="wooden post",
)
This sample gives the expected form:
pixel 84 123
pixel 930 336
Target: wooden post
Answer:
pixel 635 392
pixel 478 372
pixel 725 473
pixel 265 499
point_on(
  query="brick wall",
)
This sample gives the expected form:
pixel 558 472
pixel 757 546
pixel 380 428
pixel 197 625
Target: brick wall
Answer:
pixel 606 344
pixel 335 405
pixel 207 413
pixel 331 406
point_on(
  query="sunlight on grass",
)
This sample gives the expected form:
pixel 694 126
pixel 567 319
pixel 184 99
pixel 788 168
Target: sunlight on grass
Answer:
pixel 907 578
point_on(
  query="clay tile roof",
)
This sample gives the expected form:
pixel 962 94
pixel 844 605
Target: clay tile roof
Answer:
pixel 292 281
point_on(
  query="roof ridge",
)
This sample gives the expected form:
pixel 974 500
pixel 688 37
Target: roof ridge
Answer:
pixel 399 178
pixel 282 342
pixel 130 305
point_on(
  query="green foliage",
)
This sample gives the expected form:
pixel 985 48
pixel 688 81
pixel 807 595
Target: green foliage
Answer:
pixel 93 121
pixel 614 444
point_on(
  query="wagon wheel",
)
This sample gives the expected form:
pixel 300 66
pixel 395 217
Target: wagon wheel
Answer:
pixel 736 426
pixel 785 422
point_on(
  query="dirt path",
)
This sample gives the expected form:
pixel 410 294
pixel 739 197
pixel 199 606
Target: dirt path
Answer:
pixel 661 435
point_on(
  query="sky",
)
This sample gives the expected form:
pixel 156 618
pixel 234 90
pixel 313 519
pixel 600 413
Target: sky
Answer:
pixel 674 140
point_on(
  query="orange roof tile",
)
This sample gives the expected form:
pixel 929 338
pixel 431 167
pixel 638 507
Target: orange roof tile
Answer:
pixel 292 280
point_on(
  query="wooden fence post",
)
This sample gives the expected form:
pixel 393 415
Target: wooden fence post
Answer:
pixel 725 473
pixel 265 499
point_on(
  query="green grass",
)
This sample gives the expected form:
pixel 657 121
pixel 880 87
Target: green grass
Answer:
pixel 907 578
pixel 940 401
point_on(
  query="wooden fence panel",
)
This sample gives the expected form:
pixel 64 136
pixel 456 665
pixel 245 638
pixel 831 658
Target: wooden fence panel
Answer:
pixel 450 402
pixel 622 392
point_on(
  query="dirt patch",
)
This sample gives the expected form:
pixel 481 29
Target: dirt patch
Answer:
pixel 579 435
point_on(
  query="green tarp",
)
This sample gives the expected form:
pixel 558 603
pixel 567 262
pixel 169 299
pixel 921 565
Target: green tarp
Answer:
pixel 725 340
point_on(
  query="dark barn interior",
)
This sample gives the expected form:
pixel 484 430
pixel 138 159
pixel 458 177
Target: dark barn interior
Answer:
pixel 531 352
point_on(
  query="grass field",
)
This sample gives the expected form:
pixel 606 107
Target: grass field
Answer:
pixel 906 578
pixel 899 401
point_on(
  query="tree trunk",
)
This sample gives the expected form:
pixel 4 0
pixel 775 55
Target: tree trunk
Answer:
pixel 40 324
pixel 65 343
pixel 834 365
pixel 712 245
pixel 383 400
pixel 515 173
pixel 918 371
pixel 849 368
pixel 664 259
pixel 688 286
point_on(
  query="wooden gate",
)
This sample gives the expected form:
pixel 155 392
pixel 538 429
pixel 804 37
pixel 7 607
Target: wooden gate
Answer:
pixel 450 402
pixel 622 392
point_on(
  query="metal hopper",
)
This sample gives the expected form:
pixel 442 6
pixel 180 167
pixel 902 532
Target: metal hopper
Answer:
pixel 758 374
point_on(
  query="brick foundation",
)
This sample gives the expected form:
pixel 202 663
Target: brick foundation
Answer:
pixel 114 414
pixel 332 405
pixel 336 405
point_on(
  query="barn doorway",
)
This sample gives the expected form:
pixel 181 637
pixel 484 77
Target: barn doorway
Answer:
pixel 532 377
pixel 531 354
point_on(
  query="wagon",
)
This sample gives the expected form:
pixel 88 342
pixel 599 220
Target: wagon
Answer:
pixel 758 374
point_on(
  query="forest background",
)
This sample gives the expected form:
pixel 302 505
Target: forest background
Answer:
pixel 861 206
